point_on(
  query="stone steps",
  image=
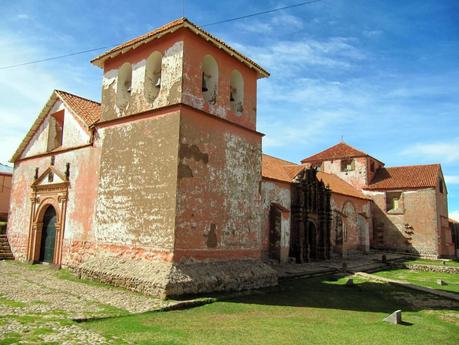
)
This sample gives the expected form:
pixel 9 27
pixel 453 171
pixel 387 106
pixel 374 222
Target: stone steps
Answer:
pixel 5 250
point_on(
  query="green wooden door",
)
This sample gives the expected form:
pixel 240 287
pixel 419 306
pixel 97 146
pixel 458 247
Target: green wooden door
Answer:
pixel 48 237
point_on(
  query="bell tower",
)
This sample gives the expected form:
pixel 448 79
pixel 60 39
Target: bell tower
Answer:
pixel 180 157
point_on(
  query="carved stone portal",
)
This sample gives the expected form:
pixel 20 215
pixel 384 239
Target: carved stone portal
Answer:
pixel 47 193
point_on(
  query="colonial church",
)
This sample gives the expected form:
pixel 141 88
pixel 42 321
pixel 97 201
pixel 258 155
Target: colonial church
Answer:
pixel 162 187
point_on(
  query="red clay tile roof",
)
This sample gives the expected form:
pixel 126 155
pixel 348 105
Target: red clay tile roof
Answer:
pixel 415 176
pixel 454 221
pixel 89 111
pixel 339 186
pixel 171 27
pixel 341 150
pixel 285 171
pixel 279 169
pixel 86 110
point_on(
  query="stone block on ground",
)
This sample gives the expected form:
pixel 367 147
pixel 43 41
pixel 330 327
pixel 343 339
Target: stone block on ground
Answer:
pixel 441 282
pixel 394 318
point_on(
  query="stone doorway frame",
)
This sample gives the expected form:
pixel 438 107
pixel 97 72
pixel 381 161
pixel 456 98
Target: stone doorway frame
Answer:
pixel 44 195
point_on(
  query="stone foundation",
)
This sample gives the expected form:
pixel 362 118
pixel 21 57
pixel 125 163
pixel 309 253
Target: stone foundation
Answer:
pixel 165 279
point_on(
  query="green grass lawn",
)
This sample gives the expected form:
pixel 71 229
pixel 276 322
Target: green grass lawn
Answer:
pixel 428 279
pixel 308 311
pixel 448 263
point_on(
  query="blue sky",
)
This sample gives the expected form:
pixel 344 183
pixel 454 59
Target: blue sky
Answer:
pixel 382 74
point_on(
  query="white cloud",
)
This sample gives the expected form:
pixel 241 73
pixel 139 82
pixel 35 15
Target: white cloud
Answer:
pixel 23 16
pixel 452 179
pixel 454 215
pixel 26 89
pixel 447 151
pixel 372 33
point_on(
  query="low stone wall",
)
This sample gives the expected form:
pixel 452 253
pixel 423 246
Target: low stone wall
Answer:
pixel 426 268
pixel 164 279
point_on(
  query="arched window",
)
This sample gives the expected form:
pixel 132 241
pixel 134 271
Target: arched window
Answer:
pixel 209 84
pixel 237 92
pixel 152 83
pixel 124 84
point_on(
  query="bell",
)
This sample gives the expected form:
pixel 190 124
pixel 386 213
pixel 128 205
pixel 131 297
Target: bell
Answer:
pixel 158 83
pixel 204 84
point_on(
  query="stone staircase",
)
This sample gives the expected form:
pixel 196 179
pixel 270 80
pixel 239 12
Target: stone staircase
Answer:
pixel 5 250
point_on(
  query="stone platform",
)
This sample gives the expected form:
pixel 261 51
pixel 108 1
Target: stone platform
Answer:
pixel 165 279
pixel 357 263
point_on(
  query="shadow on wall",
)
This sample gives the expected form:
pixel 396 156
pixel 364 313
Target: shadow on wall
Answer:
pixel 365 297
pixel 387 236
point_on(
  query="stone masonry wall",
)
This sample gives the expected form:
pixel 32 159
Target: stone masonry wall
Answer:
pixel 414 229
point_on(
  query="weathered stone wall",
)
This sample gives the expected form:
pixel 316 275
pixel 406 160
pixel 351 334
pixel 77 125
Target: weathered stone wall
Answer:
pixel 279 194
pixel 195 50
pixel 445 240
pixel 218 200
pixel 357 177
pixel 412 229
pixel 139 99
pixel 137 187
pixel 355 215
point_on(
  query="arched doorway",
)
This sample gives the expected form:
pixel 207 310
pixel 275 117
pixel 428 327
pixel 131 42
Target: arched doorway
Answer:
pixel 48 235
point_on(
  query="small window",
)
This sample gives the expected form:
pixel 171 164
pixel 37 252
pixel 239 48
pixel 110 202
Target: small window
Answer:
pixel 347 165
pixel 55 130
pixel 237 92
pixel 124 84
pixel 394 201
pixel 440 185
pixel 152 83
pixel 209 79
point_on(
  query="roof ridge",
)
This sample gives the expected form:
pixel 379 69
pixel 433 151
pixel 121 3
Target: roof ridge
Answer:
pixel 414 165
pixel 283 160
pixel 75 95
pixel 171 27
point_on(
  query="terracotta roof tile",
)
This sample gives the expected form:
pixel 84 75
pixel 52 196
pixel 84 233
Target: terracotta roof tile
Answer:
pixel 279 169
pixel 285 171
pixel 89 111
pixel 171 27
pixel 339 186
pixel 341 150
pixel 415 176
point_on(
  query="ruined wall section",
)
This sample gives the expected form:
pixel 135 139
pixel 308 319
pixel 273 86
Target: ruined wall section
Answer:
pixel 277 193
pixel 356 177
pixel 139 99
pixel 137 188
pixel 195 50
pixel 413 229
pixel 218 201
pixel 80 204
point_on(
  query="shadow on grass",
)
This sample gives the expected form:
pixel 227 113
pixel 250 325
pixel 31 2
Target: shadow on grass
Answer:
pixel 330 293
